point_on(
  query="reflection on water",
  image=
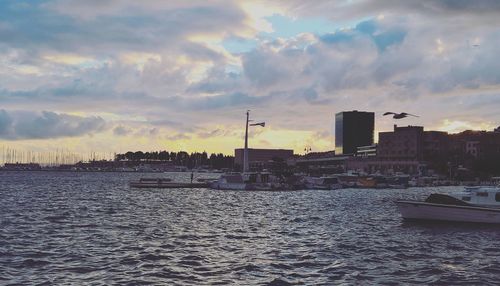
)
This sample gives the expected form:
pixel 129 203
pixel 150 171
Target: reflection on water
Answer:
pixel 78 228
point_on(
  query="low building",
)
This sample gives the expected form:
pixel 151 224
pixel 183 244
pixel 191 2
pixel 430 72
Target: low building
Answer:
pixel 404 143
pixel 476 143
pixel 367 151
pixel 473 148
pixel 319 163
pixel 436 144
pixel 373 165
pixel 400 150
pixel 440 151
pixel 260 158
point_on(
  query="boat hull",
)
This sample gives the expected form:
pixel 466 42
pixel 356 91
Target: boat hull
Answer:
pixel 229 186
pixel 412 210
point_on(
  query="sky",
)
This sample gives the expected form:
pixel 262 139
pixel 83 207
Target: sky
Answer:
pixel 120 75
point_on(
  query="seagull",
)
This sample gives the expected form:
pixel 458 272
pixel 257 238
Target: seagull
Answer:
pixel 399 115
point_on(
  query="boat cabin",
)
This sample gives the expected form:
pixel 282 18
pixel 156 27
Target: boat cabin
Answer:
pixel 481 196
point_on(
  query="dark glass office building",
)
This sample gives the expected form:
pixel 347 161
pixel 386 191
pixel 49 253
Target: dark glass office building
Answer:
pixel 353 129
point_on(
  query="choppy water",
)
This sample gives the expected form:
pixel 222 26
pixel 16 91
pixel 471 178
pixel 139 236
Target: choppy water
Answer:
pixel 91 228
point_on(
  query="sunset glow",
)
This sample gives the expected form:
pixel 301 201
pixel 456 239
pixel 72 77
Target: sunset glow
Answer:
pixel 156 75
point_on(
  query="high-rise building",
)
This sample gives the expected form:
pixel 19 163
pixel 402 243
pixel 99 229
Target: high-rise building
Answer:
pixel 353 129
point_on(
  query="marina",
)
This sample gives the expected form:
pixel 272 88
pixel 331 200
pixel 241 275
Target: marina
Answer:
pixel 266 143
pixel 268 181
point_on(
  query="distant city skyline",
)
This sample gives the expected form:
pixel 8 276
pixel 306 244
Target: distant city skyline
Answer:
pixel 114 76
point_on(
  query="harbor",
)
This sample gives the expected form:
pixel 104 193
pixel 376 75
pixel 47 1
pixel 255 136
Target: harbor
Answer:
pixel 474 205
pixel 404 157
pixel 155 235
pixel 266 143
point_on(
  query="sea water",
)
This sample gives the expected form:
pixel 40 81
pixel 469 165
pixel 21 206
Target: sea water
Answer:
pixel 90 228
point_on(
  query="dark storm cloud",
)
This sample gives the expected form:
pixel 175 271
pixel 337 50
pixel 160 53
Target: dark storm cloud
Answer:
pixel 19 125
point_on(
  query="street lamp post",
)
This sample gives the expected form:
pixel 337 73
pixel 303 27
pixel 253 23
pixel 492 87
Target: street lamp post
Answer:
pixel 245 151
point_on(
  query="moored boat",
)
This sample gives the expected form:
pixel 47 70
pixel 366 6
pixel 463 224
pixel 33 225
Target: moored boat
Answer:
pixel 258 181
pixel 230 181
pixel 322 183
pixel 478 205
pixel 484 196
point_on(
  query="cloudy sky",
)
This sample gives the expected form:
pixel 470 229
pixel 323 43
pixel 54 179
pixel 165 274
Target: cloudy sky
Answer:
pixel 118 75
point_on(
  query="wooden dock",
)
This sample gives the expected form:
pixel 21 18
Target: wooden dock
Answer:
pixel 165 184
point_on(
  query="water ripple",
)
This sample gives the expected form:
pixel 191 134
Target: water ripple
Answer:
pixel 90 228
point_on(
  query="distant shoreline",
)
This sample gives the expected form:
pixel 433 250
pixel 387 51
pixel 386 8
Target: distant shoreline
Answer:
pixel 99 171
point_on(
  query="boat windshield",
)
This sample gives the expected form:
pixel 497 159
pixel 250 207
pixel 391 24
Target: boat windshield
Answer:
pixel 445 200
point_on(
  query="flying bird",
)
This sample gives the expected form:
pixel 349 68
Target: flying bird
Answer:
pixel 399 115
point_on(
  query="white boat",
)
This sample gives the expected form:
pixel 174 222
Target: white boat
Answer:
pixel 322 183
pixel 480 196
pixel 476 204
pixel 261 181
pixel 230 181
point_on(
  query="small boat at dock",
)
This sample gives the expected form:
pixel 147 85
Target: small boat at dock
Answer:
pixel 322 183
pixel 230 181
pixel 262 181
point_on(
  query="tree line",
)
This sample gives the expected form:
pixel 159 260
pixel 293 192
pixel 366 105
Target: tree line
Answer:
pixel 182 158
